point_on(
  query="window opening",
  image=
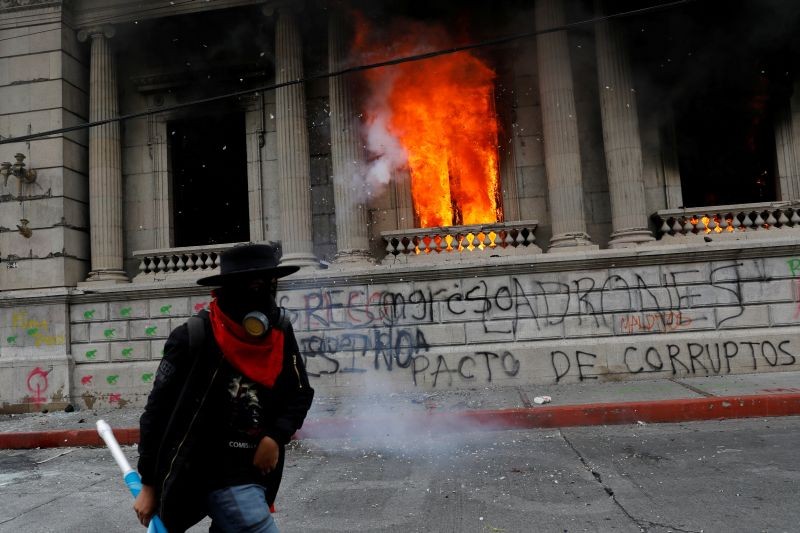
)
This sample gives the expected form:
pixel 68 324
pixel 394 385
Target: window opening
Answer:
pixel 209 169
pixel 722 75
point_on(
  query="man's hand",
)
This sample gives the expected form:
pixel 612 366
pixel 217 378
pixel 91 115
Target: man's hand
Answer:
pixel 266 458
pixel 145 504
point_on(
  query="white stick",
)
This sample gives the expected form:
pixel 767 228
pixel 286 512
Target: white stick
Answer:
pixel 116 452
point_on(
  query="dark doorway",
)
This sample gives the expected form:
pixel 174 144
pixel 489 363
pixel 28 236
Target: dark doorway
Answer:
pixel 722 69
pixel 726 144
pixel 209 172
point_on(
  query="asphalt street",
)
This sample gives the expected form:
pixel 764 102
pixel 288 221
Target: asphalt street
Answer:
pixel 727 476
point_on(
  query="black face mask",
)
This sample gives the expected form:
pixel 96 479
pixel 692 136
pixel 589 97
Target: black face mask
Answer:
pixel 254 308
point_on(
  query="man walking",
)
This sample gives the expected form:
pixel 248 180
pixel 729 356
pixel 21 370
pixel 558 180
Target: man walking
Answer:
pixel 229 394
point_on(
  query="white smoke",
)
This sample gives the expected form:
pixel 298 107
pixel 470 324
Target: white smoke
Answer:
pixel 385 154
pixel 380 411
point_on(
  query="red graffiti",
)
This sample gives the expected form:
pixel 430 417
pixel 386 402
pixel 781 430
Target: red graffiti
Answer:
pixel 200 306
pixel 114 397
pixel 86 380
pixel 37 384
pixel 664 322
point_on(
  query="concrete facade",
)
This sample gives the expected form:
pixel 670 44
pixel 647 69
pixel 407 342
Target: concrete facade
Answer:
pixel 692 302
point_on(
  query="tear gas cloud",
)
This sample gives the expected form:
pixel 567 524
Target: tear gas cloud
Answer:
pixel 397 423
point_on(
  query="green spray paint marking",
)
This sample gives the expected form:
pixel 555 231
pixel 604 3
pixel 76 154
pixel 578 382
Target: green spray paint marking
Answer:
pixel 125 311
pixel 88 315
pixel 794 266
pixel 165 309
pixel 150 330
pixel 147 377
pixel 112 380
pixel 127 352
pixel 33 331
pixel 91 354
pixel 12 340
pixel 109 333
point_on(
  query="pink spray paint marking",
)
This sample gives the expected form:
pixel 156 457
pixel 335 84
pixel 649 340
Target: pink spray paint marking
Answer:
pixel 37 384
pixel 114 397
pixel 86 380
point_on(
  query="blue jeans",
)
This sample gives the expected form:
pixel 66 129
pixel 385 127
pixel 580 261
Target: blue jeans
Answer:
pixel 239 509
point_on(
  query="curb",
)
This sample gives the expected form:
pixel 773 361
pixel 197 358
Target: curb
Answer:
pixel 655 411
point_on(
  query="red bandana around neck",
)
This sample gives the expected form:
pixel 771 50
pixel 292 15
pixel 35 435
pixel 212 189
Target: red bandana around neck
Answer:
pixel 260 359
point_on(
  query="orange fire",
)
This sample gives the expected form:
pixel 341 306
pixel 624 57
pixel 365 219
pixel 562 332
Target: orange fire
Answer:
pixel 443 114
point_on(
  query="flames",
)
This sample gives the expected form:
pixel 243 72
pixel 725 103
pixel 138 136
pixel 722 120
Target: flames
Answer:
pixel 441 112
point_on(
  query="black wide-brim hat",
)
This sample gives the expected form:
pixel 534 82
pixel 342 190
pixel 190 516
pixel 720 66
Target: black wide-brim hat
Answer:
pixel 245 262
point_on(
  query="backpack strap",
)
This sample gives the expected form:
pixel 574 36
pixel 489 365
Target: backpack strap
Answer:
pixel 197 331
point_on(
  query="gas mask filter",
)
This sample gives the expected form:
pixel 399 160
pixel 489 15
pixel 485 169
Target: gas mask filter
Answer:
pixel 257 324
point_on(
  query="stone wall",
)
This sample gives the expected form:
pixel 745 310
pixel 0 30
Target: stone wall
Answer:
pixel 616 323
pixel 43 86
pixel 35 368
pixel 117 345
pixel 547 320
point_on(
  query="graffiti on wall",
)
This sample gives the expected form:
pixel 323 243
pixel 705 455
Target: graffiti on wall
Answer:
pixel 37 384
pixel 400 349
pixel 478 331
pixel 640 304
pixel 38 330
pixel 794 270
pixel 688 358
pixel 353 330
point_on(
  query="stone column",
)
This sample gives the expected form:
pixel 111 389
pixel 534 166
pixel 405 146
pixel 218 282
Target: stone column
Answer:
pixel 254 141
pixel 562 156
pixel 403 200
pixel 105 167
pixel 352 227
pixel 293 152
pixel 787 146
pixel 621 139
pixel 158 135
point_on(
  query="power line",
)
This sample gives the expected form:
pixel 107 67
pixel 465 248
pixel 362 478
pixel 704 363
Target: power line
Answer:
pixel 359 68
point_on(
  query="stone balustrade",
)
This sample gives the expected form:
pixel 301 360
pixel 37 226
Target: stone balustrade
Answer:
pixel 462 242
pixel 190 262
pixel 728 220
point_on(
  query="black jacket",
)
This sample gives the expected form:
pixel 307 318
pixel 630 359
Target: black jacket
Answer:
pixel 185 411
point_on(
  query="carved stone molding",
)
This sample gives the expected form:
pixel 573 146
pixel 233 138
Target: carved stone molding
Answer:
pixel 162 81
pixel 19 5
pixel 91 12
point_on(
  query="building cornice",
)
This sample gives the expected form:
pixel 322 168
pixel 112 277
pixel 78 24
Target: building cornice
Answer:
pixel 418 272
pixel 578 261
pixel 93 12
pixel 20 5
pixel 23 13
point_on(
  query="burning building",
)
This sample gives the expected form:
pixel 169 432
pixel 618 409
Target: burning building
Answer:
pixel 529 192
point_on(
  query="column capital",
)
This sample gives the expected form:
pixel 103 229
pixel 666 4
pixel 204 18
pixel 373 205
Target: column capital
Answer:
pixel 106 30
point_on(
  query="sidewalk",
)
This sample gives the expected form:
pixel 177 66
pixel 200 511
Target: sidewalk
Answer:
pixel 391 415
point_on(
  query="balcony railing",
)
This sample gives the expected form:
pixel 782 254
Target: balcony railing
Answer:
pixel 189 262
pixel 732 221
pixel 462 242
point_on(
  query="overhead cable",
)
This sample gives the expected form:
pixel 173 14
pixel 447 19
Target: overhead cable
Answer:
pixel 349 70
